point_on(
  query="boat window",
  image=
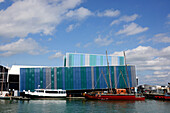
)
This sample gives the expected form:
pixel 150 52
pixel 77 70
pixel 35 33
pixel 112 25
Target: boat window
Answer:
pixel 51 91
pixel 40 91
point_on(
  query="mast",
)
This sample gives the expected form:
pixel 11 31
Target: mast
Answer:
pixel 105 79
pixel 126 71
pixel 109 73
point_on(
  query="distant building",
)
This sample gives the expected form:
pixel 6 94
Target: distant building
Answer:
pixel 3 77
pixel 153 88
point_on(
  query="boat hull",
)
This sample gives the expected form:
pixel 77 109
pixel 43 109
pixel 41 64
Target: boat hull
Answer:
pixel 5 98
pixel 45 94
pixel 44 97
pixel 114 97
pixel 157 96
pixel 167 97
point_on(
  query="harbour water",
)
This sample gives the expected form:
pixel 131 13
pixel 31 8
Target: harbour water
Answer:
pixel 84 106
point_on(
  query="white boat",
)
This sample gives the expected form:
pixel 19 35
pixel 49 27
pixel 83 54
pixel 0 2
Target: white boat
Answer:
pixel 46 94
pixel 4 95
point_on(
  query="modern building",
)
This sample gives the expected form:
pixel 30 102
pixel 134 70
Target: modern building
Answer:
pixel 81 72
pixel 76 78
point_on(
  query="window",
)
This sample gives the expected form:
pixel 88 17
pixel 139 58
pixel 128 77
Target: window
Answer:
pixel 52 92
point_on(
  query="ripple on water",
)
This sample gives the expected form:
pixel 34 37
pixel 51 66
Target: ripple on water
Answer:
pixel 82 105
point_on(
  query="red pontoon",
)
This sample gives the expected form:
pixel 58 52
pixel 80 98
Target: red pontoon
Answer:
pixel 111 96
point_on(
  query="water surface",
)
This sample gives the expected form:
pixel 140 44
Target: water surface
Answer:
pixel 82 106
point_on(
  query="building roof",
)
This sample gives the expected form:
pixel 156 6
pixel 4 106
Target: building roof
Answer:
pixel 15 69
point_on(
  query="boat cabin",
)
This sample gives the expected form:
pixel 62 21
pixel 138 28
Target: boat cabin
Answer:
pixel 121 91
pixel 56 91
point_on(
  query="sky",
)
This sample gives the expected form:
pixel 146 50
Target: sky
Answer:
pixel 40 32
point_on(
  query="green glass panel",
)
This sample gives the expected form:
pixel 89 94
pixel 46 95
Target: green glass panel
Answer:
pixel 41 78
pixel 121 59
pixel 81 60
pixel 27 79
pixel 112 76
pixel 52 78
pixel 122 77
pixel 32 79
pixel 101 60
pixel 72 60
pixel 66 79
pixel 107 75
pixel 71 78
pixel 59 78
pixel 97 77
pixel 92 60
pixel 83 78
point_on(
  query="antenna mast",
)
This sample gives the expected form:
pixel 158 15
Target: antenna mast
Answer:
pixel 109 73
pixel 127 71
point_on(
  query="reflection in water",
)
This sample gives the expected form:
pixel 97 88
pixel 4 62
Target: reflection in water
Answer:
pixel 48 101
pixel 82 105
pixel 8 106
pixel 99 106
pixel 43 106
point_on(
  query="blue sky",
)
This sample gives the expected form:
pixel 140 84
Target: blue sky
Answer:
pixel 39 32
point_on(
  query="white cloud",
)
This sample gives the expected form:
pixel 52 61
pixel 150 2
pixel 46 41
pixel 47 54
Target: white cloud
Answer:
pixel 158 38
pixel 49 39
pixel 37 16
pixel 142 39
pixel 87 45
pixel 109 13
pixel 168 16
pixel 125 19
pixel 78 44
pixel 161 37
pixel 155 76
pixel 168 19
pixel 71 27
pixel 29 46
pixel 132 29
pixel 160 73
pixel 1 1
pixel 80 13
pixel 148 59
pixel 56 55
pixel 103 41
pixel 120 42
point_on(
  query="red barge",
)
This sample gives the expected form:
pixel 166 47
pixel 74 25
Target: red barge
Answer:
pixel 110 96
